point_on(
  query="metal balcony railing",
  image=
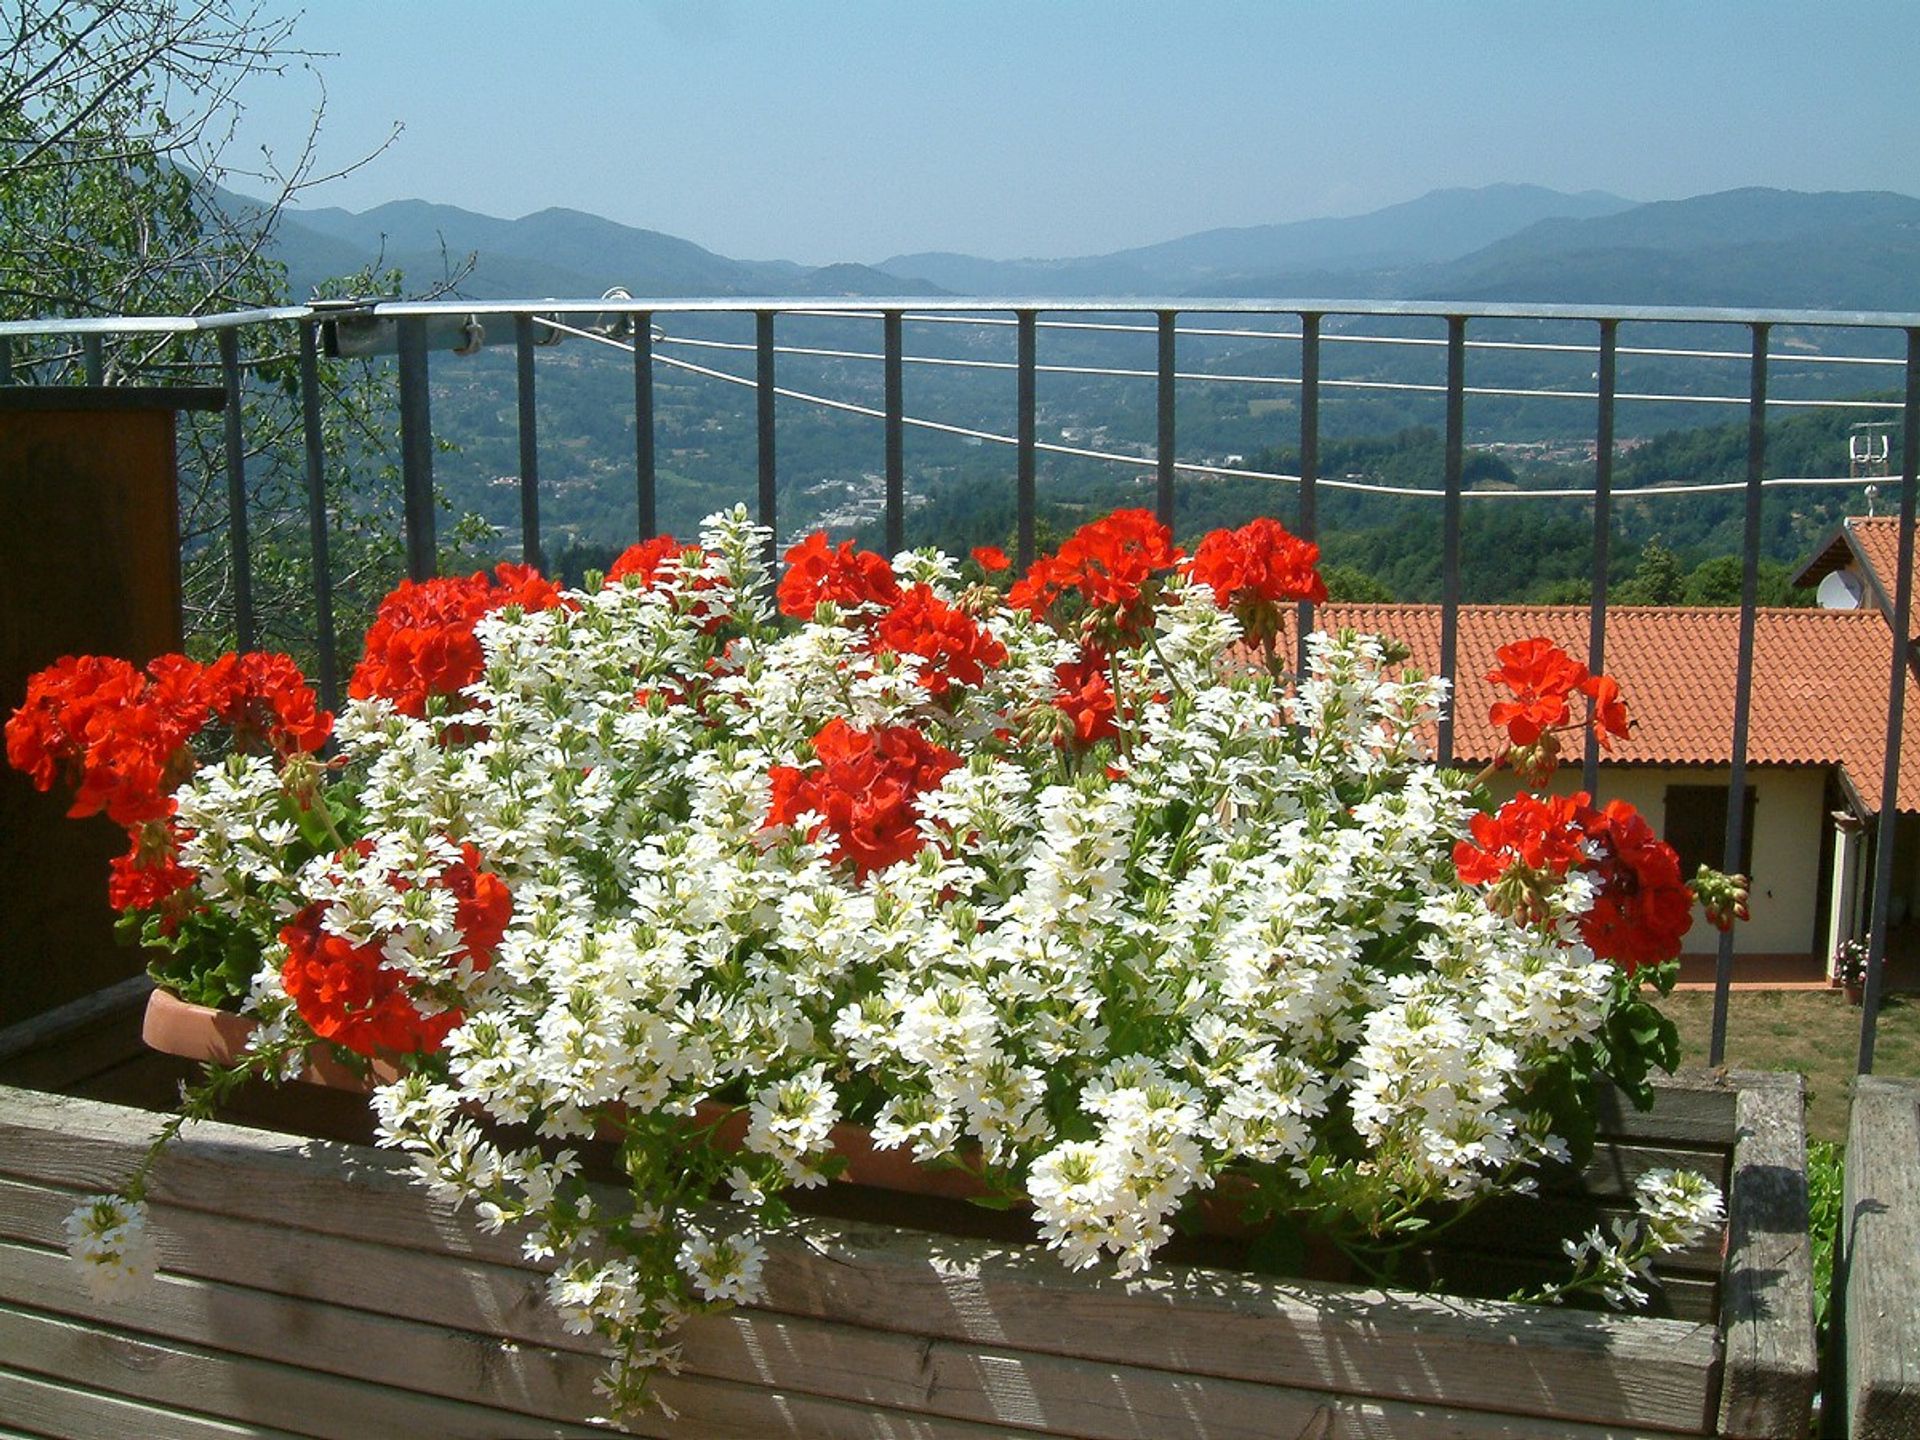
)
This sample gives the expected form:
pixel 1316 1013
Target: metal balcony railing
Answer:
pixel 411 330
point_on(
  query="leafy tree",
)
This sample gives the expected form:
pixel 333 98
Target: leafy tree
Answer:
pixel 116 118
pixel 1656 580
pixel 1344 582
pixel 1717 581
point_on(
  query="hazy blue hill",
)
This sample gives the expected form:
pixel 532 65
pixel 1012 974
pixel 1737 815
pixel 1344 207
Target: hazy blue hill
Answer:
pixel 1727 217
pixel 971 275
pixel 1859 269
pixel 553 252
pixel 406 226
pixel 849 279
pixel 1777 248
pixel 1440 225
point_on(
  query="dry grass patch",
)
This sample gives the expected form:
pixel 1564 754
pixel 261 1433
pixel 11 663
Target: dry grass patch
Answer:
pixel 1813 1031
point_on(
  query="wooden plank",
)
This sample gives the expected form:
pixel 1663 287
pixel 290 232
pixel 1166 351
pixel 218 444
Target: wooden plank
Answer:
pixel 143 1080
pixel 95 399
pixel 80 1054
pixel 703 1409
pixel 1388 1345
pixel 1614 1169
pixel 864 1366
pixel 528 1379
pixel 1534 1226
pixel 1767 1293
pixel 1695 1107
pixel 246 1390
pixel 54 1408
pixel 1631 1372
pixel 385 1349
pixel 457 1292
pixel 64 1020
pixel 294 1182
pixel 1494 1275
pixel 1058 1395
pixel 1877 1265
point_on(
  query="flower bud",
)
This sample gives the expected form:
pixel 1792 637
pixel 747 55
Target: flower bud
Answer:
pixel 1723 896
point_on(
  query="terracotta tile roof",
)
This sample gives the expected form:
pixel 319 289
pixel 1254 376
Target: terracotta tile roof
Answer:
pixel 1878 541
pixel 1819 687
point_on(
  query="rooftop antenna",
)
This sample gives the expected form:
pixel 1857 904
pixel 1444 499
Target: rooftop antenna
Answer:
pixel 1870 449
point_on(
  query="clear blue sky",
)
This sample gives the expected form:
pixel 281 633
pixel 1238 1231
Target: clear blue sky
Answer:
pixel 819 130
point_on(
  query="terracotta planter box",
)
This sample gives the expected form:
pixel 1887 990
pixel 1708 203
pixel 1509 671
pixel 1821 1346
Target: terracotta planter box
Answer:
pixel 308 1278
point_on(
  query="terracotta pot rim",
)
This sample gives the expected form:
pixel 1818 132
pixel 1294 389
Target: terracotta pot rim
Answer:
pixel 192 1031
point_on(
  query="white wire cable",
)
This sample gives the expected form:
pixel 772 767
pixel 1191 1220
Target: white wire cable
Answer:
pixel 1337 338
pixel 1366 487
pixel 1232 378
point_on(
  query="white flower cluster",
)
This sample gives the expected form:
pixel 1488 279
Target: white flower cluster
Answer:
pixel 1232 940
pixel 108 1235
pixel 1677 1208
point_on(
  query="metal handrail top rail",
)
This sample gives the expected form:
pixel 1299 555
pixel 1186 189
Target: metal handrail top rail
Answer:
pixel 872 307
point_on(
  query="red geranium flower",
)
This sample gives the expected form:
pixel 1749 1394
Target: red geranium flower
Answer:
pixel 1544 679
pixel 1541 676
pixel 422 644
pixel 991 558
pixel 122 738
pixel 866 785
pixel 645 560
pixel 1541 833
pixel 817 571
pixel 1255 570
pixel 348 994
pixel 150 874
pixel 1642 909
pixel 267 703
pixel 960 650
pixel 1086 697
pixel 1609 710
pixel 1108 563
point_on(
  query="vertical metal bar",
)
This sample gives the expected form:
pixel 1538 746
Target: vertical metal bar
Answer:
pixel 1602 532
pixel 645 478
pixel 416 448
pixel 763 393
pixel 329 676
pixel 896 435
pixel 1024 502
pixel 1309 519
pixel 1896 712
pixel 239 544
pixel 1163 495
pixel 1450 534
pixel 6 360
pixel 1743 681
pixel 529 441
pixel 93 360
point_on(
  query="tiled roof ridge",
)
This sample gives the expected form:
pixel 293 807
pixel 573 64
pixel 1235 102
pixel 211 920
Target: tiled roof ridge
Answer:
pixel 1505 607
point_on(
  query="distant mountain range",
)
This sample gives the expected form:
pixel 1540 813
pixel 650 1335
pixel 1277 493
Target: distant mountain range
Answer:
pixel 1760 247
pixel 548 253
pixel 1438 226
